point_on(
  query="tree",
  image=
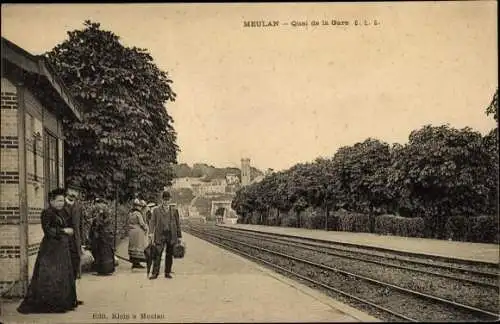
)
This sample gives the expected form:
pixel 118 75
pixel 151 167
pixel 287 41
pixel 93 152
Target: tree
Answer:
pixel 362 171
pixel 125 124
pixel 490 142
pixel 297 189
pixel 492 109
pixel 245 201
pixel 442 172
pixel 326 187
pixel 182 170
pixel 281 195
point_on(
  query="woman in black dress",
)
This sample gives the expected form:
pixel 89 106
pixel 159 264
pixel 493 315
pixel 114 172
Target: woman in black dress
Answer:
pixel 101 239
pixel 52 287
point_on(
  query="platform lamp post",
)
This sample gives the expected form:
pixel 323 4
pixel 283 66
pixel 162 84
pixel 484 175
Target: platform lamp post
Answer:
pixel 117 177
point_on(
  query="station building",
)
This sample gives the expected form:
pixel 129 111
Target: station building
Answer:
pixel 33 105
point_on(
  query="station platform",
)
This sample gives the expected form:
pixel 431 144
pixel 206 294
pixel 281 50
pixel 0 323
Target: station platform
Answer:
pixel 478 252
pixel 209 285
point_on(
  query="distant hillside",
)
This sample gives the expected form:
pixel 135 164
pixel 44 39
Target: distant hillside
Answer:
pixel 182 196
pixel 209 172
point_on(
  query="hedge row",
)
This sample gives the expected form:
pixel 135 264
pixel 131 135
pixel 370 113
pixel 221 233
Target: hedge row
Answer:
pixel 471 229
pixel 399 226
pixel 483 229
pixel 354 223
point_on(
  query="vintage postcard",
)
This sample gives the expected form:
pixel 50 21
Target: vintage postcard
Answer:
pixel 249 162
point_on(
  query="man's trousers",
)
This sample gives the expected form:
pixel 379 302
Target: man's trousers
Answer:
pixel 169 257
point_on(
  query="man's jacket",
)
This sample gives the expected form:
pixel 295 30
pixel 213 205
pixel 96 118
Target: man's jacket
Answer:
pixel 74 213
pixel 165 218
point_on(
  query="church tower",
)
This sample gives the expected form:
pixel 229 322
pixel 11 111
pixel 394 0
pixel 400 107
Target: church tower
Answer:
pixel 245 171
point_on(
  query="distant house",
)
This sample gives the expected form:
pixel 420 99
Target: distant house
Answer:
pixel 178 183
pixel 186 183
pixel 196 188
pixel 34 102
pixel 232 179
pixel 215 186
pixel 200 186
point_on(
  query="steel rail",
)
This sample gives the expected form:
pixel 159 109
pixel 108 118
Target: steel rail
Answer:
pixel 371 280
pixel 297 243
pixel 382 250
pixel 364 301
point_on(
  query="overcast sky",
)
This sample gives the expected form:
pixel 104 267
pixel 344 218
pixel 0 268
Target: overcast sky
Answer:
pixel 283 95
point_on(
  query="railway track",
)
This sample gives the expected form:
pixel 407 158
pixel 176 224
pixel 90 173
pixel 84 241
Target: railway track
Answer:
pixel 436 262
pixel 484 278
pixel 383 299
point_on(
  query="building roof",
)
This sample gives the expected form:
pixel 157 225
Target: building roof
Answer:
pixel 38 65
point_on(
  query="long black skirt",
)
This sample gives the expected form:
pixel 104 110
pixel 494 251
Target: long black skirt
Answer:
pixel 104 258
pixel 52 288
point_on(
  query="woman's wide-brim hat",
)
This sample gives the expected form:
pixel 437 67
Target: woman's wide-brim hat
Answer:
pixel 140 203
pixel 151 204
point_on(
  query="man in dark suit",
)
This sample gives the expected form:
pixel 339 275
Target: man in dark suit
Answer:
pixel 73 211
pixel 165 231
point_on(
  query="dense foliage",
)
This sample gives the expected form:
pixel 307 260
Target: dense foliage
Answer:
pixel 126 139
pixel 182 196
pixel 117 212
pixel 441 178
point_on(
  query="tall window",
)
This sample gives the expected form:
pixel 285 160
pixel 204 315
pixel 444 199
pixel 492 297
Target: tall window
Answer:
pixel 51 162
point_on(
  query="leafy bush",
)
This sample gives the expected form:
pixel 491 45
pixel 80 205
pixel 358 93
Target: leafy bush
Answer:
pixel 280 216
pixel 273 218
pixel 354 222
pixel 254 218
pixel 483 229
pixel 274 221
pixel 318 221
pixel 457 228
pixel 122 216
pixel 88 209
pixel 307 217
pixel 182 196
pixel 400 226
pixel 242 219
pixel 289 220
pixel 314 218
pixel 203 205
pixel 333 222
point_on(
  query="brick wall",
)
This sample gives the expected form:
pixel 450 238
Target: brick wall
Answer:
pixel 36 117
pixel 37 120
pixel 9 181
pixel 35 235
pixel 35 159
pixel 9 254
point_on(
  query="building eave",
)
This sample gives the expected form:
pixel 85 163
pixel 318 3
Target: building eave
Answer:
pixel 40 66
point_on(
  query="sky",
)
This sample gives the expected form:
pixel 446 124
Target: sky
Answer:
pixel 288 94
